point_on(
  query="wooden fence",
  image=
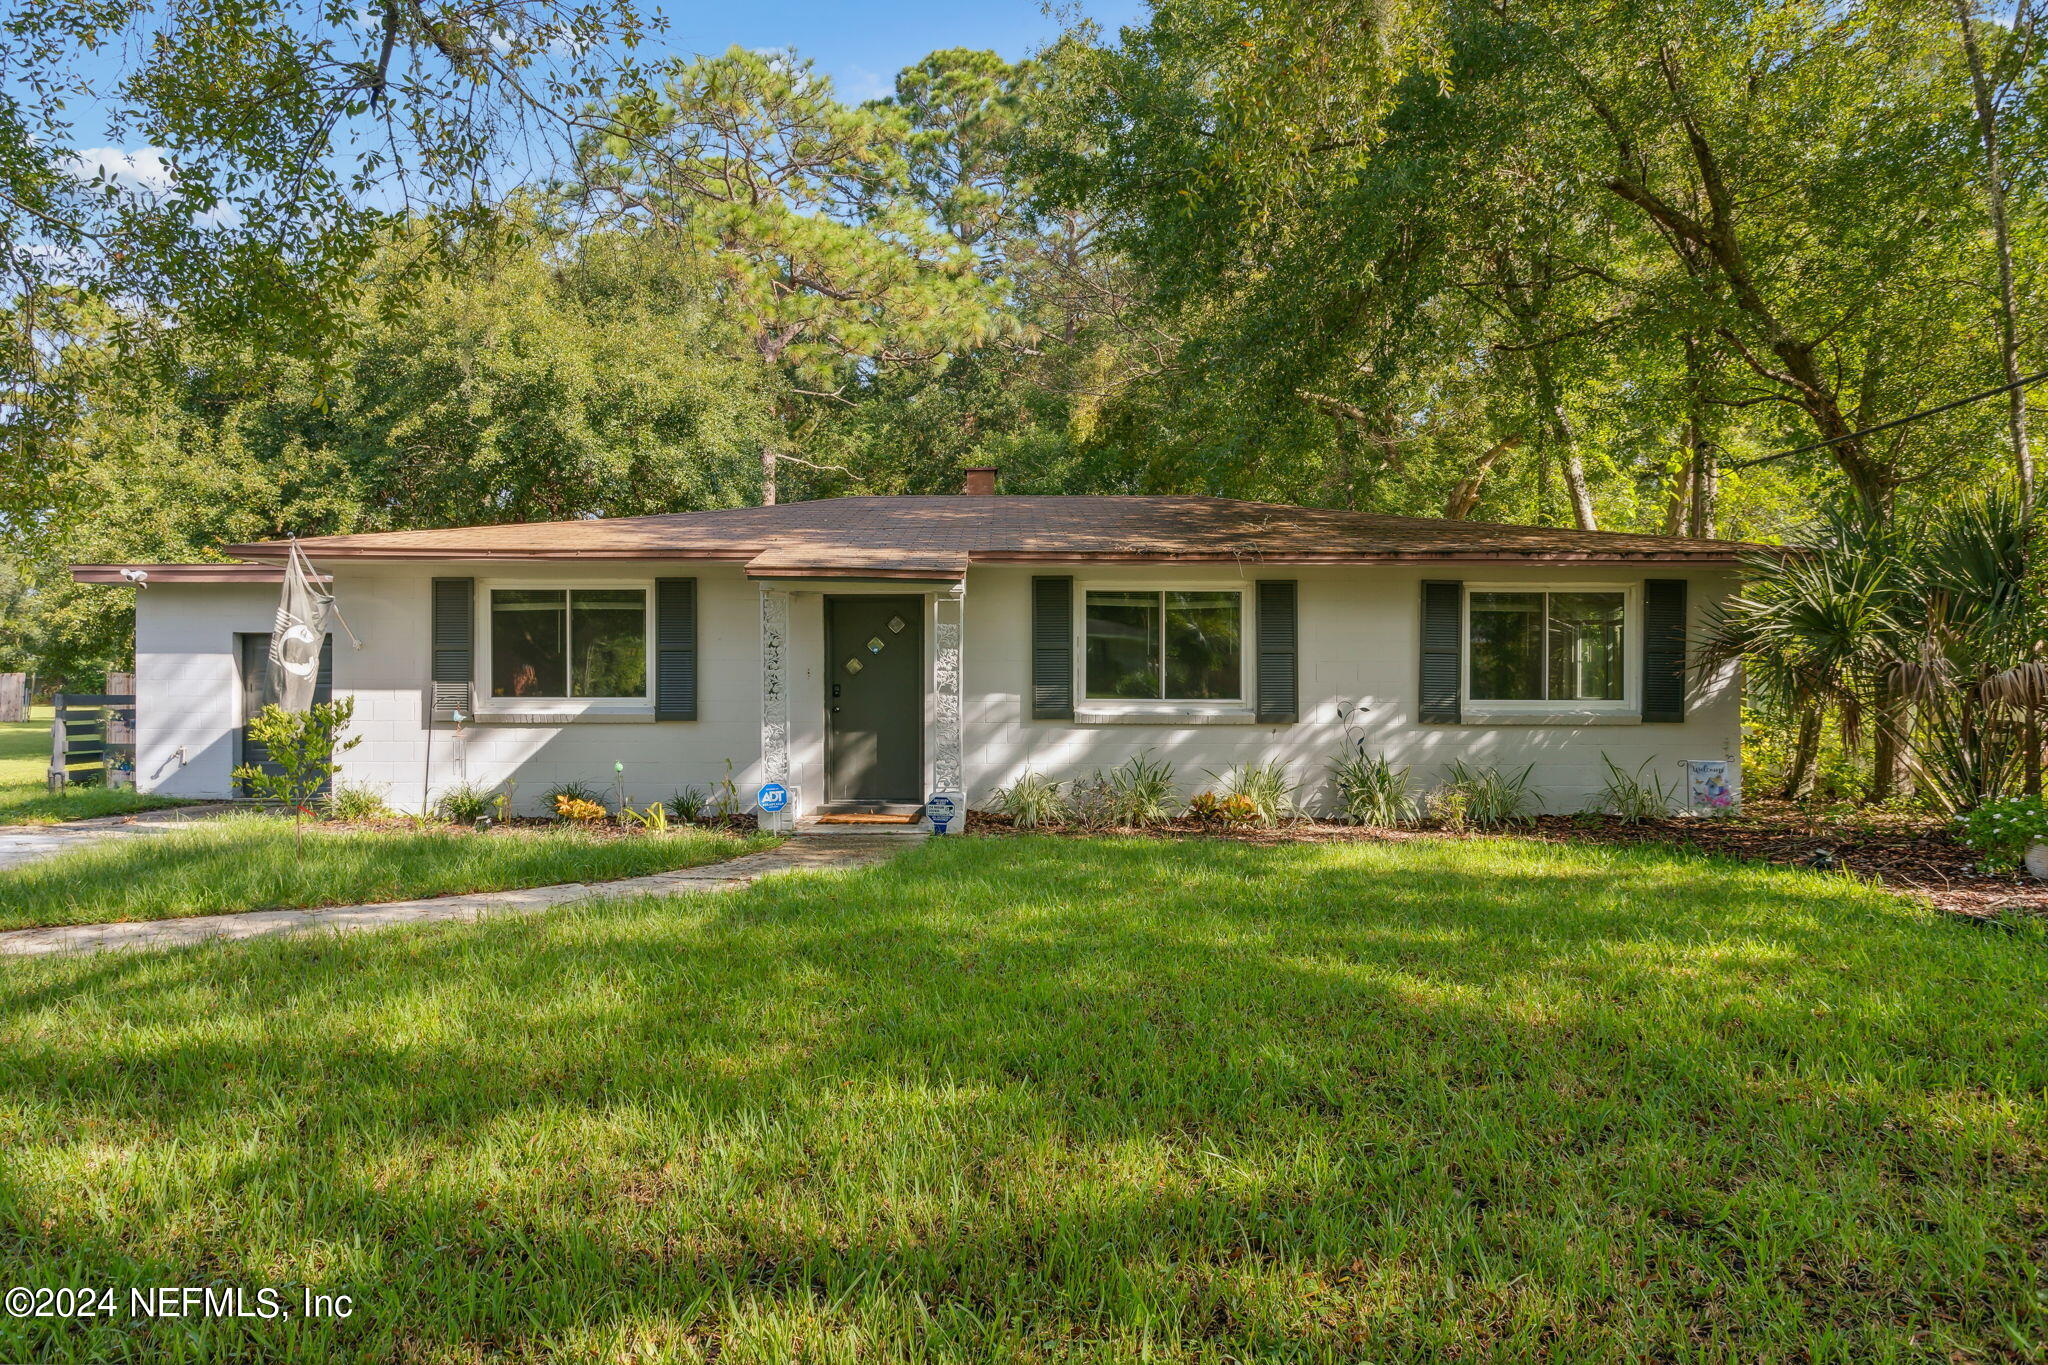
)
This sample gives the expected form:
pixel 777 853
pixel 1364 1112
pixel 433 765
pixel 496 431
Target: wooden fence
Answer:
pixel 87 740
pixel 14 696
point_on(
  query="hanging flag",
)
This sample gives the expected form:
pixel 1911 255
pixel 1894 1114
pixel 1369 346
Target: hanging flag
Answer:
pixel 300 631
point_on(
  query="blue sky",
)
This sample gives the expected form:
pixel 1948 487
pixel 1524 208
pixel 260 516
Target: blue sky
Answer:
pixel 863 45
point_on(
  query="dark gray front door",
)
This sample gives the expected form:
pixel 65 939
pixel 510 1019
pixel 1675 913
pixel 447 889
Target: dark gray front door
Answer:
pixel 874 698
pixel 253 656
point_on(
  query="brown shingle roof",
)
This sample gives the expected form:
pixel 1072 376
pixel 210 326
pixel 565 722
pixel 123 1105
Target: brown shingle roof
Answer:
pixel 935 537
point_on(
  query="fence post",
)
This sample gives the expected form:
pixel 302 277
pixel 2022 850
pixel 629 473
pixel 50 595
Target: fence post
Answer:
pixel 57 746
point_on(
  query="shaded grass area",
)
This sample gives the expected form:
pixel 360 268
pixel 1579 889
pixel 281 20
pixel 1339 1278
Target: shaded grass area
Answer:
pixel 1066 1100
pixel 258 862
pixel 25 796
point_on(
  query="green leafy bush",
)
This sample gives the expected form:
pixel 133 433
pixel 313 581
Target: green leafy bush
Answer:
pixel 1264 787
pixel 465 803
pixel 352 801
pixel 688 803
pixel 1031 801
pixel 302 746
pixel 1629 798
pixel 1133 794
pixel 1483 797
pixel 2003 830
pixel 1372 791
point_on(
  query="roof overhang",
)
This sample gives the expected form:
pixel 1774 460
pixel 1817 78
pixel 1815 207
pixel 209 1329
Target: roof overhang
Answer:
pixel 118 574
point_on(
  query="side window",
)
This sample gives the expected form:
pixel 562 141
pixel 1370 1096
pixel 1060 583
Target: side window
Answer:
pixel 1164 646
pixel 568 642
pixel 1546 646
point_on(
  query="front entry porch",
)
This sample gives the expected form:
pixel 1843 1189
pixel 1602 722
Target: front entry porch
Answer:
pixel 860 698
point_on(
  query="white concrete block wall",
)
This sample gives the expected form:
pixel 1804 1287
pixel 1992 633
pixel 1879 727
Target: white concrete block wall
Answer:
pixel 1359 639
pixel 1358 644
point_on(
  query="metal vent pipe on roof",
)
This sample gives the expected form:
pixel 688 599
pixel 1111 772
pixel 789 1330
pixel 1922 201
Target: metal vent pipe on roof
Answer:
pixel 981 480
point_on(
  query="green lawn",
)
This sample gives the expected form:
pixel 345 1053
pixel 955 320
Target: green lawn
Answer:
pixel 25 797
pixel 257 862
pixel 1064 1100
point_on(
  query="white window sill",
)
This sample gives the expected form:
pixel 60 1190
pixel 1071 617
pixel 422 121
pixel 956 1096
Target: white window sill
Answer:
pixel 1481 715
pixel 558 714
pixel 1168 713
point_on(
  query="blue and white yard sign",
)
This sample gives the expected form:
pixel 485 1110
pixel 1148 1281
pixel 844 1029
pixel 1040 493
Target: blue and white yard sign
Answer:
pixel 774 797
pixel 940 810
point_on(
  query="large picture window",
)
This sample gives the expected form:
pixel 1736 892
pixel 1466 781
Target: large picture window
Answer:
pixel 1165 646
pixel 1546 646
pixel 568 642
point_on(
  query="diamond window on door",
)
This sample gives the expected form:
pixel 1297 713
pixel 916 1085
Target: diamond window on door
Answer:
pixel 896 624
pixel 853 665
pixel 874 644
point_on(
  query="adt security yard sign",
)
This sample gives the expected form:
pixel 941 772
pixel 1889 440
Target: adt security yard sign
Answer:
pixel 773 797
pixel 940 810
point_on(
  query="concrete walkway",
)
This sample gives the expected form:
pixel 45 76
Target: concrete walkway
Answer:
pixel 23 844
pixel 809 851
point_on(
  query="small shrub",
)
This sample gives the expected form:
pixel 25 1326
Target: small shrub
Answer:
pixel 302 745
pixel 1032 801
pixel 688 804
pixel 1212 809
pixel 725 799
pixel 350 801
pixel 1486 798
pixel 2003 830
pixel 574 791
pixel 1141 791
pixel 1372 791
pixel 1450 808
pixel 654 819
pixel 1629 798
pixel 1265 787
pixel 581 810
pixel 467 802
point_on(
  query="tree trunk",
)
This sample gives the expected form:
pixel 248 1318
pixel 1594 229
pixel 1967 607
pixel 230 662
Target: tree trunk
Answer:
pixel 1805 756
pixel 1466 495
pixel 2030 734
pixel 1994 194
pixel 1888 750
pixel 767 475
pixel 1678 499
pixel 1703 472
pixel 1558 431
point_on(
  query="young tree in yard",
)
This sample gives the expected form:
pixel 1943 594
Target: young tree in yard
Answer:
pixel 829 265
pixel 300 749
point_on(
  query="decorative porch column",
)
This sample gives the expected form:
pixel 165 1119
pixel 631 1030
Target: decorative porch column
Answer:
pixel 949 636
pixel 774 685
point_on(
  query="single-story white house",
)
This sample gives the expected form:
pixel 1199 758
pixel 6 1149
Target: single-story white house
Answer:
pixel 868 652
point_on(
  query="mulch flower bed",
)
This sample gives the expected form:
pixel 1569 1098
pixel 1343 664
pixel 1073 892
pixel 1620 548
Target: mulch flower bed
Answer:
pixel 1913 853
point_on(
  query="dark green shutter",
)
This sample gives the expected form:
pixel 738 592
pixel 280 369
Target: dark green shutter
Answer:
pixel 675 649
pixel 453 641
pixel 1052 648
pixel 1442 621
pixel 1664 650
pixel 1279 676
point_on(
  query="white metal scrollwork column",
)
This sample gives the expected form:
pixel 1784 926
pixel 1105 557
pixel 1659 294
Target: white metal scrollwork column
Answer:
pixel 949 638
pixel 774 685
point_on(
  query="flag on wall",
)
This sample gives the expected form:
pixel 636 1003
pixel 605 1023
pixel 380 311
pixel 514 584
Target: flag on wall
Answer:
pixel 296 638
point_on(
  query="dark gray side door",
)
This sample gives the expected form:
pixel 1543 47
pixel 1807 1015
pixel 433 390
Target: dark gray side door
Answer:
pixel 252 658
pixel 874 698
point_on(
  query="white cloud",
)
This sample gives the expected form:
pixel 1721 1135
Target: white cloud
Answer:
pixel 860 85
pixel 143 171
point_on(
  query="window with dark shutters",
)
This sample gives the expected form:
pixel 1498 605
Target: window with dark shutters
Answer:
pixel 1052 648
pixel 1664 690
pixel 1442 609
pixel 675 649
pixel 1279 676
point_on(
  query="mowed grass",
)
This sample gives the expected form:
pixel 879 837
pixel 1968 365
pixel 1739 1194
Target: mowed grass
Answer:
pixel 1054 1100
pixel 256 861
pixel 25 796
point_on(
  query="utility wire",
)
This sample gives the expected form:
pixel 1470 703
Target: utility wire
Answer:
pixel 1895 422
